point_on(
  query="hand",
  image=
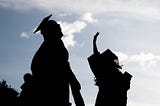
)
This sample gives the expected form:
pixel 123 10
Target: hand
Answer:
pixel 95 37
pixel 96 34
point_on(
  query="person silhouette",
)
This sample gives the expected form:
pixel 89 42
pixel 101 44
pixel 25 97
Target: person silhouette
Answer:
pixel 26 94
pixel 51 69
pixel 112 83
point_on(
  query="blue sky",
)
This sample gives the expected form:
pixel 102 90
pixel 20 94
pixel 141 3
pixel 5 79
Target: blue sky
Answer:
pixel 130 28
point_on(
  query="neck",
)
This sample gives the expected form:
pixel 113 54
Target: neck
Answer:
pixel 52 40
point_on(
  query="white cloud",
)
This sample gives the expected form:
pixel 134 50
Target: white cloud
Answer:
pixel 69 29
pixel 63 14
pixel 18 4
pixel 89 18
pixel 25 35
pixel 145 9
pixel 142 104
pixel 145 60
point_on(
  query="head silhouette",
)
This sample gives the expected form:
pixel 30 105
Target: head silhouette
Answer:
pixel 50 29
pixel 110 58
pixel 27 77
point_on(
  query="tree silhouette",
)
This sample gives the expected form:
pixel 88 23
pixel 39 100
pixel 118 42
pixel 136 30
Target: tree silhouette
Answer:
pixel 8 95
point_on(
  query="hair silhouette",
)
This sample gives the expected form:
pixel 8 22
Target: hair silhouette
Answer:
pixel 112 83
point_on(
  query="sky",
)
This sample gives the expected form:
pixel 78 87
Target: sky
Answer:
pixel 130 28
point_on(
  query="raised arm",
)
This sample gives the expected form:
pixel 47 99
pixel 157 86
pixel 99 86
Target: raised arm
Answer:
pixel 95 50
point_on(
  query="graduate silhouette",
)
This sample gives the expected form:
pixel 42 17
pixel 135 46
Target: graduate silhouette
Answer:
pixel 51 71
pixel 112 83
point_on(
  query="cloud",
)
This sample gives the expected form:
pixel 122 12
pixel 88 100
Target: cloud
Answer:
pixel 69 29
pixel 25 35
pixel 18 4
pixel 141 104
pixel 89 18
pixel 144 9
pixel 145 60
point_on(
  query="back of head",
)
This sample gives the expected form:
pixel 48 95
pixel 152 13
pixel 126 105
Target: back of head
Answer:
pixel 49 28
pixel 27 77
pixel 108 57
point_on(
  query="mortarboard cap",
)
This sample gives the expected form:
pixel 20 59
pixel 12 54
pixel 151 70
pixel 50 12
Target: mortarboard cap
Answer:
pixel 42 24
pixel 110 56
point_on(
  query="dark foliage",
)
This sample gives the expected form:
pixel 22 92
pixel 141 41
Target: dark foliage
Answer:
pixel 8 95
